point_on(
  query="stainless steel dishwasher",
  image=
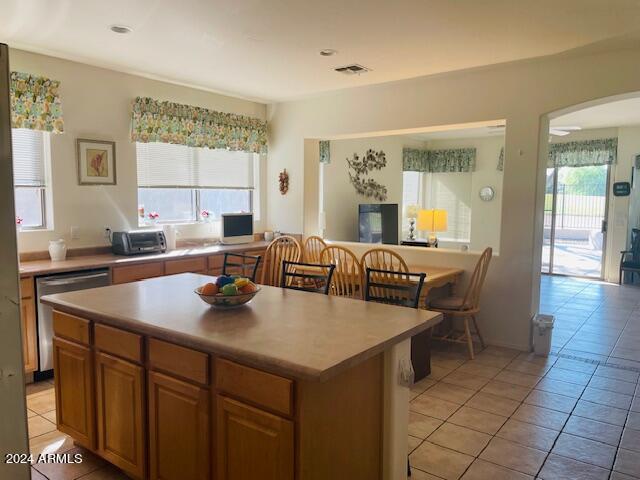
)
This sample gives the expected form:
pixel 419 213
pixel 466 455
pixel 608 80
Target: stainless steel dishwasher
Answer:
pixel 66 282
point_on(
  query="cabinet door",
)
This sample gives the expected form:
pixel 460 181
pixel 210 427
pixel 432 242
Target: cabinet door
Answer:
pixel 179 429
pixel 72 364
pixel 29 347
pixel 133 273
pixel 120 417
pixel 252 444
pixel 196 265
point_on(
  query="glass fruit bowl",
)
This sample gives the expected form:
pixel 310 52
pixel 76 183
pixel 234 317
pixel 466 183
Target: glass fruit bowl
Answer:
pixel 227 301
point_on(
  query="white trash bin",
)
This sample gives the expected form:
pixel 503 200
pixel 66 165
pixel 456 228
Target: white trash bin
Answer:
pixel 542 329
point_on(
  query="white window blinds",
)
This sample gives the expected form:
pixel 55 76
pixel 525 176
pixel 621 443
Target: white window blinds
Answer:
pixel 168 165
pixel 411 186
pixel 451 192
pixel 28 157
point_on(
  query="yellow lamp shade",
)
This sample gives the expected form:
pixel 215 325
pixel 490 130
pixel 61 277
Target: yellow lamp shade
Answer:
pixel 432 220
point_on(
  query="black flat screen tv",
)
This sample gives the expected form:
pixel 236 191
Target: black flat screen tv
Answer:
pixel 378 223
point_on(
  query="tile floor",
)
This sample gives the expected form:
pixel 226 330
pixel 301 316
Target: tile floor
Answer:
pixel 594 320
pixel 504 415
pixel 44 438
pixel 512 415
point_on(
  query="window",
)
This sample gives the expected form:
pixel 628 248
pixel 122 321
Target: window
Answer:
pixel 411 188
pixel 445 191
pixel 180 182
pixel 30 155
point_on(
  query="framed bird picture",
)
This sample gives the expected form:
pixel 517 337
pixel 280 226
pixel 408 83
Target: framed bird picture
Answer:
pixel 96 162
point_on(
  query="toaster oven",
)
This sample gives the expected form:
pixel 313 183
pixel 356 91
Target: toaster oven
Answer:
pixel 138 242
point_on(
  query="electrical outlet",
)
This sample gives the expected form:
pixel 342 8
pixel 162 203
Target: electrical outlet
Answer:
pixel 75 233
pixel 107 233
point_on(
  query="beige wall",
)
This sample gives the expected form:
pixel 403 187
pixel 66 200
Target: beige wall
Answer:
pixel 97 104
pixel 340 198
pixel 522 93
pixel 341 201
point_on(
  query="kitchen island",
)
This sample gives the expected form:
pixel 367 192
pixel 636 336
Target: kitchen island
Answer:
pixel 294 385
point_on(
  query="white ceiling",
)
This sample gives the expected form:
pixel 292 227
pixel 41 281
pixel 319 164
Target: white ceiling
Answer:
pixel 268 50
pixel 614 114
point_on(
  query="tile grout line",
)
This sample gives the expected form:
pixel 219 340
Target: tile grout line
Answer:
pixel 547 283
pixel 624 427
pixel 509 417
pixel 522 402
pixel 562 430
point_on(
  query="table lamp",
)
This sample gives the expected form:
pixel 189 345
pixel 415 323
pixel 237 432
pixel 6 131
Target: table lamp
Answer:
pixel 432 221
pixel 411 212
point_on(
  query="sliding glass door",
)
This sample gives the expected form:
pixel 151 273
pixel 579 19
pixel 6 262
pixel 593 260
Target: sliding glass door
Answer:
pixel 575 221
pixel 547 241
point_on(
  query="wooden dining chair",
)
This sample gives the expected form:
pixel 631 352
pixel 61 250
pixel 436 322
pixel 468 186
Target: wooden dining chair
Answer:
pixel 393 287
pixel 240 264
pixel 383 259
pixel 308 277
pixel 347 276
pixel 284 248
pixel 313 246
pixel 466 307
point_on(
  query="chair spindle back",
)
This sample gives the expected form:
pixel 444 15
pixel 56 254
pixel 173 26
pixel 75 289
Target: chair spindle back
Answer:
pixel 347 276
pixel 281 249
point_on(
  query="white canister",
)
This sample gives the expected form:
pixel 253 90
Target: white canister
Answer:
pixel 57 250
pixel 268 236
pixel 170 236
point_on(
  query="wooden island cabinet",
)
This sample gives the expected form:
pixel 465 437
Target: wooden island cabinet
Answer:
pixel 164 387
pixel 110 400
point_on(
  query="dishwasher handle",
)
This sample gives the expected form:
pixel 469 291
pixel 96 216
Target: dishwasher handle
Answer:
pixel 73 280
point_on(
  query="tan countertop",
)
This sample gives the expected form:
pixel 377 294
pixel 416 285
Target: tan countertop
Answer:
pixel 287 332
pixel 85 262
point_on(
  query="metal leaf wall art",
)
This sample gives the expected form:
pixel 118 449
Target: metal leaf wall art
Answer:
pixel 359 170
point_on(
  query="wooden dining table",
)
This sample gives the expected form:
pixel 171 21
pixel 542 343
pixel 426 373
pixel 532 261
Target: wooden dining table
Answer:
pixel 437 277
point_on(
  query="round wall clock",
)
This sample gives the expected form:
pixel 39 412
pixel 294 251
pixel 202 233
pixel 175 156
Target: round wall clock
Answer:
pixel 487 194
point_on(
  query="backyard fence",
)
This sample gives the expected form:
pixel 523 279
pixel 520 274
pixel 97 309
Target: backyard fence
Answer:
pixel 580 207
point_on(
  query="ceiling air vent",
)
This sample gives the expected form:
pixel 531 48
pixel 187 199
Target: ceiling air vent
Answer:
pixel 353 69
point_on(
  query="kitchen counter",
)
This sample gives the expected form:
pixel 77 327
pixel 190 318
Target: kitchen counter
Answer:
pixel 288 332
pixel 292 386
pixel 87 262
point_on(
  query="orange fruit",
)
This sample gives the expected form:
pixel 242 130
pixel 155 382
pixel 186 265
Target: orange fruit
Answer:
pixel 248 288
pixel 209 289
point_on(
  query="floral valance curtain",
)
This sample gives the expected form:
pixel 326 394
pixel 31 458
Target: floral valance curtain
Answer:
pixel 325 152
pixel 35 103
pixel 165 122
pixel 414 160
pixel 439 161
pixel 583 153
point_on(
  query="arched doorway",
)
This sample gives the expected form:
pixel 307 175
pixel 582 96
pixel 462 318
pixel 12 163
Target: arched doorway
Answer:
pixel 587 226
